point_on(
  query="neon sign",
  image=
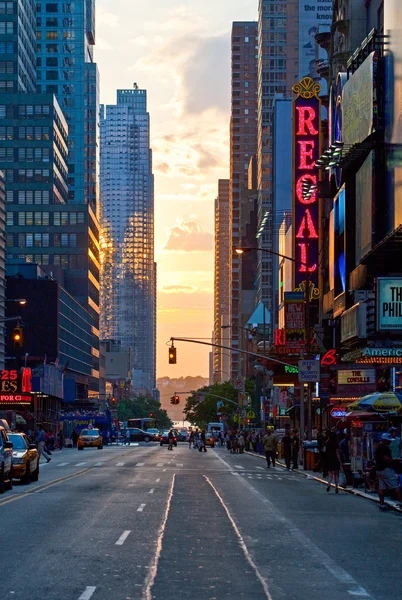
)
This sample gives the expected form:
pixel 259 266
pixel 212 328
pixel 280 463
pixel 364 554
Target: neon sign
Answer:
pixel 306 151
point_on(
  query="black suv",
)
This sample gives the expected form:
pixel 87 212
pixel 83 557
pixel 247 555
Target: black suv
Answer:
pixel 6 458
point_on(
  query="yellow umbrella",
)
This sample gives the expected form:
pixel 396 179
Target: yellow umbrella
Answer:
pixel 378 402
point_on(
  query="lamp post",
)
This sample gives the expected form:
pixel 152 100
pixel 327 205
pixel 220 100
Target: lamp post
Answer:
pixel 242 250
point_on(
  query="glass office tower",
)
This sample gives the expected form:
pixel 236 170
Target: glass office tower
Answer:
pixel 65 67
pixel 127 200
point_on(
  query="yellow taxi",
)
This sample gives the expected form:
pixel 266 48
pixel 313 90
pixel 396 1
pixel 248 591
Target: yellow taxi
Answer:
pixel 90 438
pixel 210 440
pixel 25 458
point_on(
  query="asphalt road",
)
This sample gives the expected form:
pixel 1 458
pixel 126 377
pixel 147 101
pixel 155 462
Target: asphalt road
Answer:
pixel 128 523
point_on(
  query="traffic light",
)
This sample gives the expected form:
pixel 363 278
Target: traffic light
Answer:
pixel 172 355
pixel 175 399
pixel 18 337
pixel 150 415
pixel 113 401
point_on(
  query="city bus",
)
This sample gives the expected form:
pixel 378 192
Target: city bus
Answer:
pixel 143 423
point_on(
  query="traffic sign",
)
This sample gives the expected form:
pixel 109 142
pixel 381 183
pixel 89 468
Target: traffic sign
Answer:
pixel 309 371
pixel 250 414
pixel 238 384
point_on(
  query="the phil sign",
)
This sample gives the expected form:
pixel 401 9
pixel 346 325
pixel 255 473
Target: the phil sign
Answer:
pixel 389 303
pixel 306 151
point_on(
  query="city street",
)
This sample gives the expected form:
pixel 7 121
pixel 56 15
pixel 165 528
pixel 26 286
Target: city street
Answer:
pixel 139 522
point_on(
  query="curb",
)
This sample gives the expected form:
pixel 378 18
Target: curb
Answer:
pixel 346 490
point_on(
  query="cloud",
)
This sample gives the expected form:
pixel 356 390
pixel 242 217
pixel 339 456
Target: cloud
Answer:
pixel 206 159
pixel 177 289
pixel 162 168
pixel 187 236
pixel 105 17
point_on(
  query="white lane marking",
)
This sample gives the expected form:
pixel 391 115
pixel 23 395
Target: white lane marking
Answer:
pixel 314 551
pixel 131 484
pixel 141 507
pixel 239 467
pixel 261 468
pixel 99 464
pixel 80 464
pixel 153 570
pixel 179 464
pixel 164 470
pixel 359 592
pixel 123 537
pixel 157 480
pixel 151 491
pixel 243 545
pixel 62 464
pixel 87 593
pixel 139 464
pixel 120 464
pixel 160 464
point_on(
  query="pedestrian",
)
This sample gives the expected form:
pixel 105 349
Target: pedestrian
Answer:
pixel 203 446
pixel 314 433
pixel 74 437
pixel 331 459
pixel 227 440
pixel 395 444
pixel 344 453
pixel 41 442
pixel 170 440
pixel 242 443
pixel 60 440
pixel 387 478
pixel 127 438
pixel 295 449
pixel 191 439
pixel 118 438
pixel 287 448
pixel 270 444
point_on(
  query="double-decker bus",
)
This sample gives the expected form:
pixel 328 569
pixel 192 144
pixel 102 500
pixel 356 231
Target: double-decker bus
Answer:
pixel 144 423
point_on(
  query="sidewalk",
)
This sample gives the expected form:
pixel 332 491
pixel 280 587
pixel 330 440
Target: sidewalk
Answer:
pixel 318 477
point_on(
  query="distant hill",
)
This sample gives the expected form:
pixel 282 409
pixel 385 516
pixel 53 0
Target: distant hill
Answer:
pixel 168 387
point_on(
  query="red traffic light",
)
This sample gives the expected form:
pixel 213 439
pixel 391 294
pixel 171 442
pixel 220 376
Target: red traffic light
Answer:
pixel 113 400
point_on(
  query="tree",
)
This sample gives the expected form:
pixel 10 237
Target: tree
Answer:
pixel 141 407
pixel 201 407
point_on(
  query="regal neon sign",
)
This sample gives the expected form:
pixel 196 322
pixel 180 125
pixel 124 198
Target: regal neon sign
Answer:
pixel 306 151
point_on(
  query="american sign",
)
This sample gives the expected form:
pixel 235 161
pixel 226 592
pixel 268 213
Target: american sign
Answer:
pixel 306 151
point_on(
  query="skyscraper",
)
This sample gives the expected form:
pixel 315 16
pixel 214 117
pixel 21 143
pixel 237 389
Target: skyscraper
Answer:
pixel 221 364
pixel 127 198
pixel 65 67
pixel 243 136
pixel 278 65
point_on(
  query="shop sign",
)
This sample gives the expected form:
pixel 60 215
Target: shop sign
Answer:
pixel 287 347
pixel 356 376
pixel 306 151
pixel 354 323
pixel 389 303
pixel 15 399
pixel 338 412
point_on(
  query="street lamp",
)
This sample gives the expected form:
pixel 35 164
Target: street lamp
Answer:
pixel 21 301
pixel 242 250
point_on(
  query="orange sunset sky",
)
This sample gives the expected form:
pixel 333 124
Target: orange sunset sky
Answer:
pixel 180 53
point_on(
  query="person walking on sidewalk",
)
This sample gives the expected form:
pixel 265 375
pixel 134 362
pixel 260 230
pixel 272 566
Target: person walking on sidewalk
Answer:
pixel 270 444
pixel 332 459
pixel 387 479
pixel 41 442
pixel 295 449
pixel 287 448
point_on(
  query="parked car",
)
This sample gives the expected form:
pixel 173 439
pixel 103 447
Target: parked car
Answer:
pixel 6 458
pixel 25 458
pixel 164 438
pixel 139 435
pixel 153 432
pixel 90 438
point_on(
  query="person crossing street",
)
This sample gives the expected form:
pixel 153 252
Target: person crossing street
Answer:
pixel 270 444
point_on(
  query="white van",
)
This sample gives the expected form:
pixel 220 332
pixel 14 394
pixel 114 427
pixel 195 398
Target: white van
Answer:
pixel 215 428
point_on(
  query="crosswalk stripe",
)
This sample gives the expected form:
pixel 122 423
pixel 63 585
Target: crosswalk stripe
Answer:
pixel 179 464
pixel 139 464
pixel 80 464
pixel 62 464
pixel 120 464
pixel 160 464
pixel 239 467
pixel 261 468
pixel 98 464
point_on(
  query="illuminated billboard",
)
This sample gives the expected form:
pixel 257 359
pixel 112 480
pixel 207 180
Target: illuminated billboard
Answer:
pixel 306 151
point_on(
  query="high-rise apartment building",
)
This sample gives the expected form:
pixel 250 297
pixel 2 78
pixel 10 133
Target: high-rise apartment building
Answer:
pixel 2 264
pixel 243 145
pixel 128 269
pixel 278 66
pixel 222 292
